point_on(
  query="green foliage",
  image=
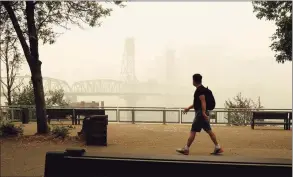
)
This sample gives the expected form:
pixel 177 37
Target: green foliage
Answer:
pixel 49 128
pixel 240 110
pixel 11 59
pixel 281 13
pixel 60 131
pixel 25 96
pixel 56 98
pixel 10 129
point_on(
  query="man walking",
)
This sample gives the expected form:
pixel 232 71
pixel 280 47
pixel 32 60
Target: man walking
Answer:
pixel 203 103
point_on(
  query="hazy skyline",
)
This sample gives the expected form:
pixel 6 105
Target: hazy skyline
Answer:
pixel 223 41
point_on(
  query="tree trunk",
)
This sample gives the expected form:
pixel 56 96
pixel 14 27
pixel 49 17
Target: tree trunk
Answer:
pixel 35 67
pixel 9 98
pixel 37 82
pixel 32 56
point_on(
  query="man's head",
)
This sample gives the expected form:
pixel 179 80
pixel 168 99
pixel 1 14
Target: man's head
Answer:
pixel 196 80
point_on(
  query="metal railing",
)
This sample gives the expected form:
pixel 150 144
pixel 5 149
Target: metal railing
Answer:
pixel 144 114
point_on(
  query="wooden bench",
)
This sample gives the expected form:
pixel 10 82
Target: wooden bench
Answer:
pixel 87 112
pixel 60 113
pixel 264 115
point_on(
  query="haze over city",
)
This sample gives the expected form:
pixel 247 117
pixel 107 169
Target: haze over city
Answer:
pixel 223 41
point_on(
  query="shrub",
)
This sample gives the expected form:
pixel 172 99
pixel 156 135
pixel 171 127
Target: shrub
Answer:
pixel 10 129
pixel 71 127
pixel 49 128
pixel 240 110
pixel 60 131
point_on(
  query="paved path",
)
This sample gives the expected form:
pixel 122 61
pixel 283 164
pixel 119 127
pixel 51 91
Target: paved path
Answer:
pixel 26 156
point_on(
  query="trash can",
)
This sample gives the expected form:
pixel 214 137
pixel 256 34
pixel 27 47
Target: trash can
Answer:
pixel 25 116
pixel 95 130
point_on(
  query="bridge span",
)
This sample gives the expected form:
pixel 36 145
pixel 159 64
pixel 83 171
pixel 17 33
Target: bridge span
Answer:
pixel 107 87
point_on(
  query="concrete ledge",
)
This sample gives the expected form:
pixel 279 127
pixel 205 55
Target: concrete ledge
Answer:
pixel 79 164
pixel 192 159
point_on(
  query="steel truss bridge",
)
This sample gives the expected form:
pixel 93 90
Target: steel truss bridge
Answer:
pixel 106 87
pixel 129 88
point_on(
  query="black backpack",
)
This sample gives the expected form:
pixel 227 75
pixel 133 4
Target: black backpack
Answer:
pixel 210 99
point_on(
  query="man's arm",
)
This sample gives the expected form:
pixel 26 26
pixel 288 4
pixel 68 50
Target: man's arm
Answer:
pixel 191 106
pixel 187 109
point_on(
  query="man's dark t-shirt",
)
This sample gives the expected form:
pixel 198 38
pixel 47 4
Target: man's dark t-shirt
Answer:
pixel 196 101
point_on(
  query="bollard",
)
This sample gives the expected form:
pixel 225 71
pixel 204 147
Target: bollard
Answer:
pixel 25 116
pixel 95 130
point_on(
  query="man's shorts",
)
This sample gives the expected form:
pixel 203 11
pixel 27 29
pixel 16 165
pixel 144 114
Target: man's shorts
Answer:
pixel 200 122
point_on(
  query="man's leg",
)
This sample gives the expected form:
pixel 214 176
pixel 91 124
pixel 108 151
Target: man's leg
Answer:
pixel 190 139
pixel 208 129
pixel 194 128
pixel 213 137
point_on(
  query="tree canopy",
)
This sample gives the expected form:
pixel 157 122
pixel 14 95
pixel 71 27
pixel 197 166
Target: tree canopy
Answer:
pixel 281 13
pixel 12 59
pixel 35 21
pixel 51 14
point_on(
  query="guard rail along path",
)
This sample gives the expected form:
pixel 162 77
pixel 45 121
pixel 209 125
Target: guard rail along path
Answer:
pixel 133 115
